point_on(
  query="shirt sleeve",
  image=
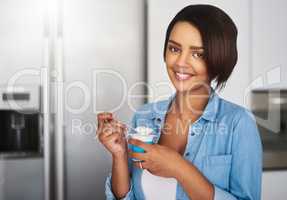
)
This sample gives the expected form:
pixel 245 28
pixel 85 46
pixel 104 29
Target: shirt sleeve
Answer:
pixel 110 195
pixel 246 169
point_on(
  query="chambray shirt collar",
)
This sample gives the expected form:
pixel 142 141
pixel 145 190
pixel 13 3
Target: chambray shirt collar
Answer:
pixel 209 112
pixel 211 109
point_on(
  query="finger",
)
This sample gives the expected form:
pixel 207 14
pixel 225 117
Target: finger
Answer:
pixel 106 131
pixel 115 134
pixel 118 127
pixel 138 143
pixel 112 127
pixel 103 118
pixel 138 156
pixel 119 124
pixel 111 138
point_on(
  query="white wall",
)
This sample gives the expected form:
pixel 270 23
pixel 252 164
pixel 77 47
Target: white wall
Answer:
pixel 269 43
pixel 274 185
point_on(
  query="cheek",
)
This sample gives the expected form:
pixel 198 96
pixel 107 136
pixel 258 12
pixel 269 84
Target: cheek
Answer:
pixel 201 70
pixel 170 60
pixel 169 67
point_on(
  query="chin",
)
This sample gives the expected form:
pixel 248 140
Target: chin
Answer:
pixel 190 86
pixel 188 89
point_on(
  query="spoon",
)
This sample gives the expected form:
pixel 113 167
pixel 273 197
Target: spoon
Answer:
pixel 129 128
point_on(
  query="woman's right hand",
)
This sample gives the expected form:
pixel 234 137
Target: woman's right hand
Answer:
pixel 111 134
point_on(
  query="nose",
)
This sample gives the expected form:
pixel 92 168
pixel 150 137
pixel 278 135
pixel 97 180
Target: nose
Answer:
pixel 182 60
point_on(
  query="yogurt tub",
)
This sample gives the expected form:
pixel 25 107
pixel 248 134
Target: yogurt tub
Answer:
pixel 145 135
pixel 142 130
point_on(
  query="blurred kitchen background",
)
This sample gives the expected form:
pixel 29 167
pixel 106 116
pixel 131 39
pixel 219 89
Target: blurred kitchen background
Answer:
pixel 62 61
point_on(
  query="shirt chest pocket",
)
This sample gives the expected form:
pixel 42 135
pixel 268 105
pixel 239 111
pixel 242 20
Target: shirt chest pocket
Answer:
pixel 217 169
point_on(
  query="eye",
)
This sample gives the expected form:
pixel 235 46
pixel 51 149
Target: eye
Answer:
pixel 173 49
pixel 197 54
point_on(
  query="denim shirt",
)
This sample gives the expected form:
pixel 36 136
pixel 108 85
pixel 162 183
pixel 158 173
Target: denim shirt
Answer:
pixel 223 144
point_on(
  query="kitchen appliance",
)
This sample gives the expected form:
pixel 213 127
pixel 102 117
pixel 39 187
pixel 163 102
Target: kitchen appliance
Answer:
pixel 87 56
pixel 21 130
pixel 270 109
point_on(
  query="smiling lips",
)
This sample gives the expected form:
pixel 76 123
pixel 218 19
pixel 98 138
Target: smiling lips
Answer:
pixel 182 76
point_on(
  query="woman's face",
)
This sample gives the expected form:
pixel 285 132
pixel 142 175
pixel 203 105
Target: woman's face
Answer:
pixel 184 59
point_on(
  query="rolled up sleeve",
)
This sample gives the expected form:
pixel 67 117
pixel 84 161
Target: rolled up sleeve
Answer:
pixel 109 193
pixel 246 168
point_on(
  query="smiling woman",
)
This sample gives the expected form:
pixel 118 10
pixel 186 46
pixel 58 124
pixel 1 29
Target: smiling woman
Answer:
pixel 209 33
pixel 186 66
pixel 210 147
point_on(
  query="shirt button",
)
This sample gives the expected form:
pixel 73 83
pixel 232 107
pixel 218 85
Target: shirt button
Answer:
pixel 187 154
pixel 192 134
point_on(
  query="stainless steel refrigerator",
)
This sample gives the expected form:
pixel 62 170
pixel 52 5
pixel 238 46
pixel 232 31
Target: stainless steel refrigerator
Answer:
pixel 80 57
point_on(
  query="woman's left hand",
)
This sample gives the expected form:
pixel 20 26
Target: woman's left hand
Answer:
pixel 157 159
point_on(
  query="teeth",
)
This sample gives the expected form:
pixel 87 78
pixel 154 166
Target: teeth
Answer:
pixel 182 76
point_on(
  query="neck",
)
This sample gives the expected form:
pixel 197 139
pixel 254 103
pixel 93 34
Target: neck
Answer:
pixel 191 104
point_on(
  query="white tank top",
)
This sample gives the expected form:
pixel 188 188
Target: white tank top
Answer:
pixel 156 187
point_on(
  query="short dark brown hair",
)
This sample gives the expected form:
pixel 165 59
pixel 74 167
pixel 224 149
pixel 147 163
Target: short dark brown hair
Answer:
pixel 219 35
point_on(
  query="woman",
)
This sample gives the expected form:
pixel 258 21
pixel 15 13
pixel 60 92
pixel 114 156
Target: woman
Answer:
pixel 211 147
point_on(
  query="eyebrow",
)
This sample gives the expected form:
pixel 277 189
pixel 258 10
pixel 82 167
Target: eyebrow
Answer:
pixel 191 47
